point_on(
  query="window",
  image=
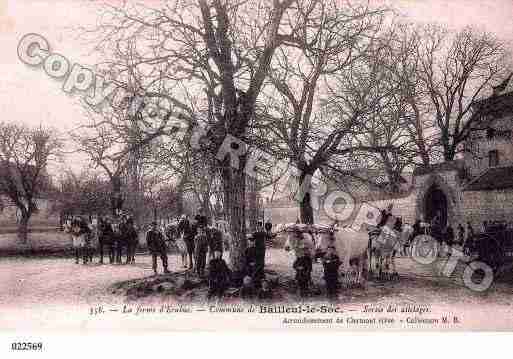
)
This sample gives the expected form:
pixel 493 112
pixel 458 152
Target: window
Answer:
pixel 493 158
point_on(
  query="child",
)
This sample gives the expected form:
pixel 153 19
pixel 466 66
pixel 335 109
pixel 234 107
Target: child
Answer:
pixel 247 291
pixel 303 267
pixel 218 276
pixel 331 264
pixel 265 292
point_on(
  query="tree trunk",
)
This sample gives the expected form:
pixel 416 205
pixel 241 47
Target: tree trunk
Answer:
pixel 207 208
pixel 116 197
pixel 234 183
pixel 179 202
pixel 252 204
pixel 23 227
pixel 306 214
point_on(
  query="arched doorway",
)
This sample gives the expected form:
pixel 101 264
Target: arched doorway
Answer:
pixel 435 201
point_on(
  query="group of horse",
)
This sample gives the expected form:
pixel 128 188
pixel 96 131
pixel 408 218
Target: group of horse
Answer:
pixel 106 237
pixel 174 235
pixel 362 252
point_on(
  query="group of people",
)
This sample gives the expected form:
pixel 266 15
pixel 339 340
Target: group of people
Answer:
pixel 196 239
pixel 303 267
pixel 464 236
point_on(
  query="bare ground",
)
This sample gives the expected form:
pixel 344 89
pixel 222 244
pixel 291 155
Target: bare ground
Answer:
pixel 28 281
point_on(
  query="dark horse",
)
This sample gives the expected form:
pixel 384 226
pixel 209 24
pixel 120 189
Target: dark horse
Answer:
pixel 127 237
pixel 117 237
pixel 106 237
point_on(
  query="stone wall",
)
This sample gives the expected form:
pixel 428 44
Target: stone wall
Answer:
pixel 463 206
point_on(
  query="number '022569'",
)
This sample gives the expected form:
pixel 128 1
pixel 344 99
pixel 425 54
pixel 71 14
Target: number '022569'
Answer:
pixel 26 346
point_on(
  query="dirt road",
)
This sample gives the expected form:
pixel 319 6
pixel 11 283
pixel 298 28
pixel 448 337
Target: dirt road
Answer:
pixel 27 284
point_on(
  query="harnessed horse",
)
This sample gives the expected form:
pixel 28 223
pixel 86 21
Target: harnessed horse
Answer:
pixel 106 237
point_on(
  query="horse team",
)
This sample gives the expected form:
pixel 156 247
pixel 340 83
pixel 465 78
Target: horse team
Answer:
pixel 361 251
pixel 114 236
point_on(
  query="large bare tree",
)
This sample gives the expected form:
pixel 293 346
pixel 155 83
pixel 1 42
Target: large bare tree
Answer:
pixel 329 38
pixel 24 155
pixel 219 52
pixel 457 70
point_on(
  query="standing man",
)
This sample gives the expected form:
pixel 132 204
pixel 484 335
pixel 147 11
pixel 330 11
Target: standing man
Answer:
pixel 189 232
pixel 331 263
pixel 268 227
pixel 303 267
pixel 132 240
pixel 259 237
pixel 215 241
pixel 436 227
pixel 200 249
pixel 157 247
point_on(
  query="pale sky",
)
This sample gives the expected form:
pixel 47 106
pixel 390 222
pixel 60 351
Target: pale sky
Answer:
pixel 31 96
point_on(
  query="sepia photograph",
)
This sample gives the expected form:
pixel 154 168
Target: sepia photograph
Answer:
pixel 289 165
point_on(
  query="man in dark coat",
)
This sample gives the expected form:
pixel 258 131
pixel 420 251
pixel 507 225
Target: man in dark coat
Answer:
pixel 449 235
pixel 157 247
pixel 260 238
pixel 303 267
pixel 268 227
pixel 331 263
pixel 189 232
pixel 200 250
pixel 215 241
pixel 384 217
pixel 218 276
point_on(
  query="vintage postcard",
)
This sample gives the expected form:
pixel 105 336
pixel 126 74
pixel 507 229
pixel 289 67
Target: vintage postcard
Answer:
pixel 320 165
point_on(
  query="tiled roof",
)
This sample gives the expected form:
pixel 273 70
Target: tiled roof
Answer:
pixel 492 178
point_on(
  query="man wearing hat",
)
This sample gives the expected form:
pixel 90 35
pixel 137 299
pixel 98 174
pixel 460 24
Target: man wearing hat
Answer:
pixel 331 263
pixel 157 247
pixel 303 267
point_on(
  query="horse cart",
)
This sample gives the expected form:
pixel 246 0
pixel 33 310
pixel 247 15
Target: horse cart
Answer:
pixel 495 248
